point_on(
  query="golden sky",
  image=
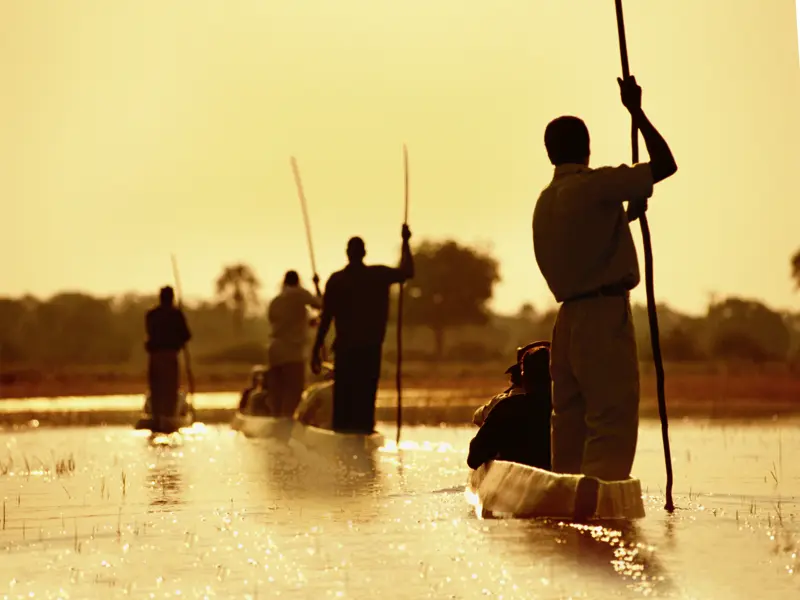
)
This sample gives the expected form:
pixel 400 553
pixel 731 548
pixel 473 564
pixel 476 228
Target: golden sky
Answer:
pixel 132 129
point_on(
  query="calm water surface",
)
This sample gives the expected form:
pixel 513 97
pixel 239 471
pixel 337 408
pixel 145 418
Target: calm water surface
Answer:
pixel 102 513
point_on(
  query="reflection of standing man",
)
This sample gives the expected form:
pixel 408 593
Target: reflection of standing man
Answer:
pixel 167 333
pixel 288 319
pixel 584 248
pixel 356 301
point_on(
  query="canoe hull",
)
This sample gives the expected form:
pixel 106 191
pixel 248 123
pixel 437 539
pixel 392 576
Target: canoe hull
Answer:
pixel 167 424
pixel 503 488
pixel 261 426
pixel 329 441
pixel 164 424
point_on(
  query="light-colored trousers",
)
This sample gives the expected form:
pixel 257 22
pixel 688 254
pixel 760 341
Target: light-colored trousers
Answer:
pixel 595 372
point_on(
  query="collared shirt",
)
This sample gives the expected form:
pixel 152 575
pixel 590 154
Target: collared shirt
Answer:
pixel 289 324
pixel 581 236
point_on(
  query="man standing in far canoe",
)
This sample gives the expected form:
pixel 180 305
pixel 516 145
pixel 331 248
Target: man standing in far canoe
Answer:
pixel 289 325
pixel 356 301
pixel 584 249
pixel 167 333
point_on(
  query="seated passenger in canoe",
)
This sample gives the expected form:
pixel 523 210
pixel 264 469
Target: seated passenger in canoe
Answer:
pixel 517 429
pixel 356 302
pixel 167 333
pixel 256 382
pixel 289 333
pixel 316 406
pixel 515 379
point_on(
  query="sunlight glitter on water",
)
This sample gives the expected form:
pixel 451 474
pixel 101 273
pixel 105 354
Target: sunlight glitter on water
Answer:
pixel 102 512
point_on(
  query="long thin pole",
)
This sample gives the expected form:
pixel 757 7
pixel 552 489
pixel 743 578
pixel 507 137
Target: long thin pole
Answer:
pixel 186 357
pixel 302 196
pixel 399 374
pixel 652 313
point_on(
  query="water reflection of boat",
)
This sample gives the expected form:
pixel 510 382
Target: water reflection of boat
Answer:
pixel 165 485
pixel 167 423
pixel 612 548
pixel 507 488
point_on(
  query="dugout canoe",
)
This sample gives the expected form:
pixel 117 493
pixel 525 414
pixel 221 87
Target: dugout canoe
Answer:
pixel 251 418
pixel 262 426
pixel 502 488
pixel 328 441
pixel 167 424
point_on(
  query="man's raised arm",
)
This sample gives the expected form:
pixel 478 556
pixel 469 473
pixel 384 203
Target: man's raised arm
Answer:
pixel 662 163
pixel 183 329
pixel 325 320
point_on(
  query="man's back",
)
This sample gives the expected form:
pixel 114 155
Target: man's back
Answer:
pixel 479 416
pixel 358 298
pixel 288 315
pixel 166 329
pixel 581 235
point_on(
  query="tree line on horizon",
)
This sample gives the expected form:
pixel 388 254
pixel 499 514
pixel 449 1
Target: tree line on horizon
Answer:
pixel 446 314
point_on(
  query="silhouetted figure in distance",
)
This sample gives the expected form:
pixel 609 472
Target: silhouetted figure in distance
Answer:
pixel 289 333
pixel 356 300
pixel 167 333
pixel 584 249
pixel 517 428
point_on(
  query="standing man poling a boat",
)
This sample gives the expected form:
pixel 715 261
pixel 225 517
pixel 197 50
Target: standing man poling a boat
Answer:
pixel 167 333
pixel 289 325
pixel 356 301
pixel 584 249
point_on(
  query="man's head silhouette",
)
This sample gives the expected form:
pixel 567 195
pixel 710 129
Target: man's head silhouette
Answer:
pixel 567 141
pixel 166 296
pixel 356 250
pixel 291 279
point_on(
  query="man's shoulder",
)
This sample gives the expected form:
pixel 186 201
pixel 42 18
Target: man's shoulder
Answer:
pixel 504 403
pixel 627 178
pixel 296 291
pixel 384 274
pixel 380 269
pixel 338 276
pixel 336 281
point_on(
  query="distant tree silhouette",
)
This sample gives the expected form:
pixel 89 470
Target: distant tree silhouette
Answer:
pixel 746 329
pixel 680 344
pixel 237 287
pixel 681 337
pixel 737 345
pixel 81 329
pixel 451 287
pixel 15 317
pixel 796 268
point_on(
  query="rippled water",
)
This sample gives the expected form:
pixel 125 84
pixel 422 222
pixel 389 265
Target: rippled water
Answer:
pixel 102 513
